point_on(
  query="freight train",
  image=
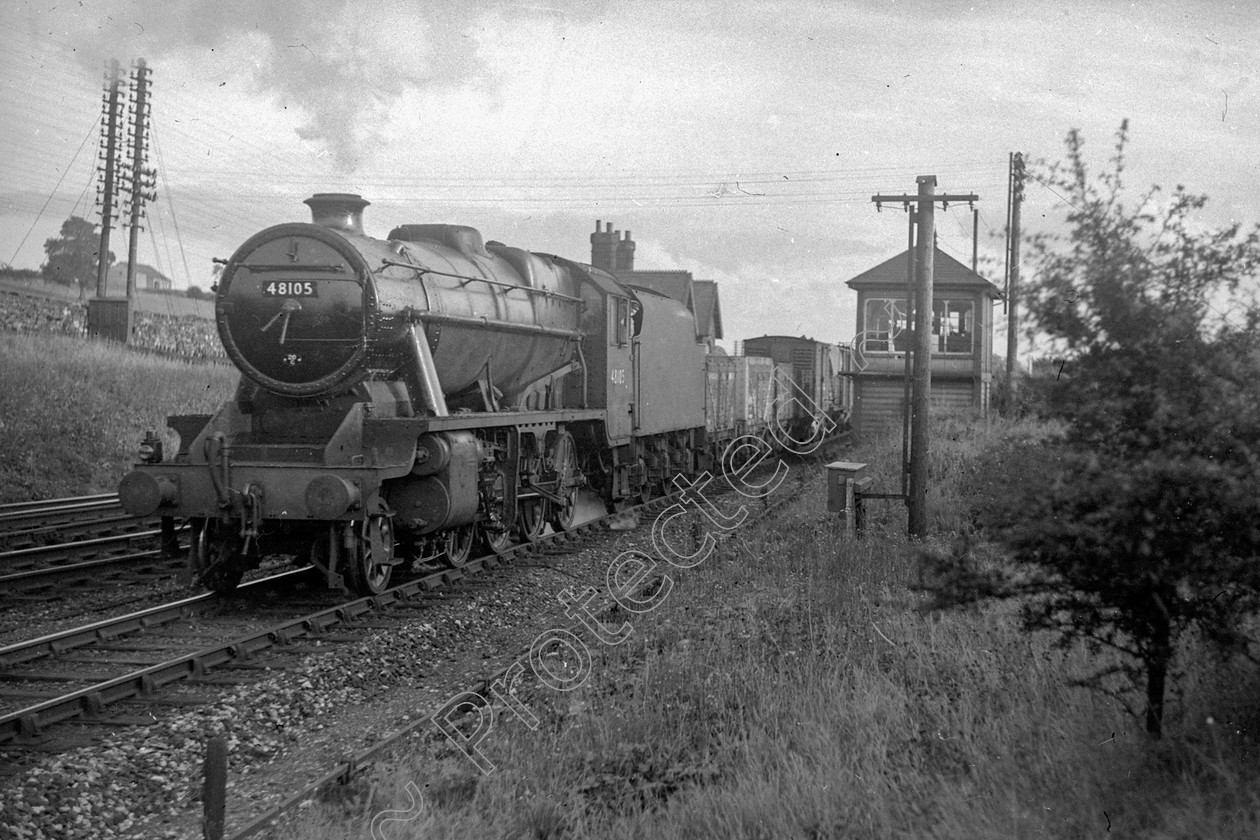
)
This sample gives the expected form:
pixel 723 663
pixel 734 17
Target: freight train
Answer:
pixel 413 397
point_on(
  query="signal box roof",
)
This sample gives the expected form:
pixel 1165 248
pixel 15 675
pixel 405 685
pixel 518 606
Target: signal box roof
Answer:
pixel 947 272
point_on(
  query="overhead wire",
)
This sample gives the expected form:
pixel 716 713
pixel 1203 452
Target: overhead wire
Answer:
pixel 170 202
pixel 91 179
pixel 40 214
pixel 182 117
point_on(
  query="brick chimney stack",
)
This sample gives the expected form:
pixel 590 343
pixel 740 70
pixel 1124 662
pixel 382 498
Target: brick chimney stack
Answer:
pixel 604 247
pixel 625 253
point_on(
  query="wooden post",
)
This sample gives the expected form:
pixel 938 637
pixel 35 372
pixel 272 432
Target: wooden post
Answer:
pixel 906 392
pixel 107 199
pixel 138 150
pixel 923 256
pixel 214 790
pixel 922 357
pixel 1012 292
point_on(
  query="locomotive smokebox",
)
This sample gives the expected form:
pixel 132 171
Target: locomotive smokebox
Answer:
pixel 339 211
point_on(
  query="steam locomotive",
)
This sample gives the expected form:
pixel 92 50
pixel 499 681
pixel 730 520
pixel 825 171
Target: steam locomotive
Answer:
pixel 414 397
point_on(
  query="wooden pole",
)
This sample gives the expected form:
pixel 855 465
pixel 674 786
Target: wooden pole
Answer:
pixel 909 315
pixel 922 256
pixel 137 179
pixel 1012 294
pixel 214 789
pixel 107 201
pixel 922 357
pixel 975 238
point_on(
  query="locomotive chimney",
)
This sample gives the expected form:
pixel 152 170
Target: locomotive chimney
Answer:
pixel 339 211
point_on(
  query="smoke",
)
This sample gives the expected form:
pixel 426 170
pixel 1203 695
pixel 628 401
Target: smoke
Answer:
pixel 342 64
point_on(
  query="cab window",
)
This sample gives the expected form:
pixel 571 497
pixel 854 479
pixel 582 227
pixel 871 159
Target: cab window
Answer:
pixel 620 333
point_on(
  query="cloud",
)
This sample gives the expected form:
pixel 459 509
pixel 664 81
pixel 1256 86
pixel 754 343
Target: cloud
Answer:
pixel 343 64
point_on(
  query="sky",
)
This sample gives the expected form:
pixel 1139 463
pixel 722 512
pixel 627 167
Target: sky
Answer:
pixel 741 141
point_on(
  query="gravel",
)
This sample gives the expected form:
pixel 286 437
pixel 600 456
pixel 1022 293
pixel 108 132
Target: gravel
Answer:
pixel 322 702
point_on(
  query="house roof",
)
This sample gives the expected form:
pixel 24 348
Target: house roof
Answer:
pixel 141 268
pixel 700 296
pixel 674 284
pixel 946 271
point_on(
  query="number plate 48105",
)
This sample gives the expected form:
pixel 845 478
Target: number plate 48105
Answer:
pixel 290 288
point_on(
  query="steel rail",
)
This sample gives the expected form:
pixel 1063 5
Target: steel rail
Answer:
pixel 347 768
pixel 67 502
pixel 111 628
pixel 17 513
pixel 10 557
pixel 24 579
pixel 89 701
pixel 108 521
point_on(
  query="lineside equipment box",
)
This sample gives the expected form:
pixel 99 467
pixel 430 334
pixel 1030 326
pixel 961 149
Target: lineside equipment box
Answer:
pixel 845 482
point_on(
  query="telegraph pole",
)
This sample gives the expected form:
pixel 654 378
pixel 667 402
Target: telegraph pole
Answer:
pixel 922 377
pixel 923 256
pixel 1012 290
pixel 140 182
pixel 909 375
pixel 109 106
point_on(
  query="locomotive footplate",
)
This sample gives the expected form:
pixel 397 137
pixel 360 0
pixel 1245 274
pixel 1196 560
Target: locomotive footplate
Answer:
pixel 290 491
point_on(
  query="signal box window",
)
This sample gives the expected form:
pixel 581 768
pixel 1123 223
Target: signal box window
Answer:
pixel 953 326
pixel 888 329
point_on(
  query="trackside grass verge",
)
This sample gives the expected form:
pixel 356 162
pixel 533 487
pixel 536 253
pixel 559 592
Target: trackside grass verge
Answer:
pixel 72 412
pixel 789 688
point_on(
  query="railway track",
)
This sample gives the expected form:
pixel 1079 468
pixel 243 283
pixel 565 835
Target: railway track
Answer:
pixel 381 747
pixel 59 571
pixel 56 549
pixel 10 511
pixel 32 520
pixel 73 688
pixel 81 673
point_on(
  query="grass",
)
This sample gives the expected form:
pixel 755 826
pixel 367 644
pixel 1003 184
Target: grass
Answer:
pixel 789 688
pixel 73 412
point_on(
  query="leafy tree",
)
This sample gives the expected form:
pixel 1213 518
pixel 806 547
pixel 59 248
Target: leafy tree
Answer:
pixel 1148 528
pixel 72 255
pixel 195 292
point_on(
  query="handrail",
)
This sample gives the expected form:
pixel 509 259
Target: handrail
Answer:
pixel 509 286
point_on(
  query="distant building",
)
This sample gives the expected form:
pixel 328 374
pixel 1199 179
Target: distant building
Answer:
pixel 962 339
pixel 614 253
pixel 147 277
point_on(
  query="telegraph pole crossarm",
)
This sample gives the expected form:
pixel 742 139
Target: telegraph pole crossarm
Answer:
pixel 921 256
pixel 969 198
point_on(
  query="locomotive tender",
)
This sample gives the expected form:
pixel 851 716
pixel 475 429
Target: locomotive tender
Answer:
pixel 411 397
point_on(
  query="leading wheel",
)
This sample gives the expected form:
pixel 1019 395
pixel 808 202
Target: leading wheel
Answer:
pixel 457 545
pixel 370 564
pixel 216 555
